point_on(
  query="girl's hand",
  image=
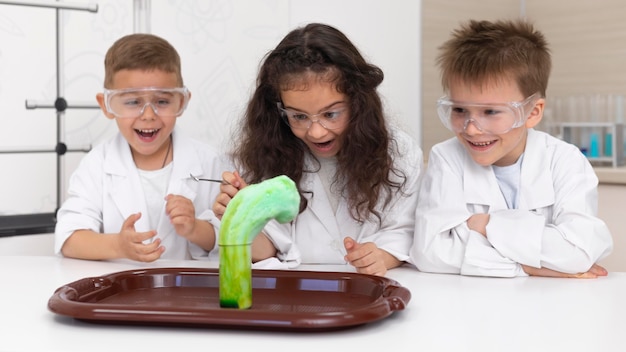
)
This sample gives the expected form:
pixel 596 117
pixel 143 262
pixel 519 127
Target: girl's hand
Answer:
pixel 367 258
pixel 227 192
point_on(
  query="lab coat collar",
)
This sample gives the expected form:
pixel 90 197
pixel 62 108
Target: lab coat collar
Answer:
pixel 186 158
pixel 481 186
pixel 118 160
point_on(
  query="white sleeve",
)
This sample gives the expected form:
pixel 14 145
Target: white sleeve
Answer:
pixel 280 235
pixel 482 259
pixel 82 208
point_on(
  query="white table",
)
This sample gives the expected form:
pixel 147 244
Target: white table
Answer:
pixel 445 313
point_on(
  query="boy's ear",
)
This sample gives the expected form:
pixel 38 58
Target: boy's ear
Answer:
pixel 536 114
pixel 100 100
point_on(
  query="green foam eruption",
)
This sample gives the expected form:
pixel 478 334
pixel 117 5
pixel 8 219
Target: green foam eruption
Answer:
pixel 245 216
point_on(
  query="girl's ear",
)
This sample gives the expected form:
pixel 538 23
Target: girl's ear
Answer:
pixel 536 114
pixel 100 100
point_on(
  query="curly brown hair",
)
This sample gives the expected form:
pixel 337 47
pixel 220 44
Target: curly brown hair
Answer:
pixel 267 147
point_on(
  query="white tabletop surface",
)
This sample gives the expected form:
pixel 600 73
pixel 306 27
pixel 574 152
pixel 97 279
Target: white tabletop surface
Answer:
pixel 445 313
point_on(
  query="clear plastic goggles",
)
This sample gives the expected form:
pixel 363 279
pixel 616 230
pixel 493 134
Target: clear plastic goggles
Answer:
pixel 132 102
pixel 330 119
pixel 488 118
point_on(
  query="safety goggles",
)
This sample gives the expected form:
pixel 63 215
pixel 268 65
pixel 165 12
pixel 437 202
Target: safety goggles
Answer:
pixel 132 102
pixel 488 118
pixel 330 119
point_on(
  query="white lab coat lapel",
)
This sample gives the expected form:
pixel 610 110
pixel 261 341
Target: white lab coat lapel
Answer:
pixel 319 205
pixel 318 202
pixel 481 186
pixel 350 227
pixel 536 175
pixel 124 181
pixel 186 161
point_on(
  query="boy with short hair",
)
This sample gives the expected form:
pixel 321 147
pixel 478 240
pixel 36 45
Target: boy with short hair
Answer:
pixel 133 196
pixel 502 199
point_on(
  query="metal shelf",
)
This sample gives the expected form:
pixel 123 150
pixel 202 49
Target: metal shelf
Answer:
pixel 45 222
pixel 601 142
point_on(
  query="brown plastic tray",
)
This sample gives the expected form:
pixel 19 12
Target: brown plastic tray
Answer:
pixel 281 299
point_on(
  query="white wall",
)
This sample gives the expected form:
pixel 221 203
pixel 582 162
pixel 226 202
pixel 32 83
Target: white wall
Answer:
pixel 221 43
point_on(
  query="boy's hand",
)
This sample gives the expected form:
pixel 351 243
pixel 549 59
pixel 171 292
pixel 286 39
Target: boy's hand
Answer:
pixel 478 223
pixel 593 272
pixel 598 270
pixel 182 214
pixel 227 192
pixel 131 244
pixel 367 258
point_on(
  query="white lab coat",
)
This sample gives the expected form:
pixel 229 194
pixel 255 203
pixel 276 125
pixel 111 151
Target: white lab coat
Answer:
pixel 106 189
pixel 555 225
pixel 316 235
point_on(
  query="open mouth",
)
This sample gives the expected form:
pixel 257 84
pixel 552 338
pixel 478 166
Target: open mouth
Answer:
pixel 147 133
pixel 323 145
pixel 481 144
